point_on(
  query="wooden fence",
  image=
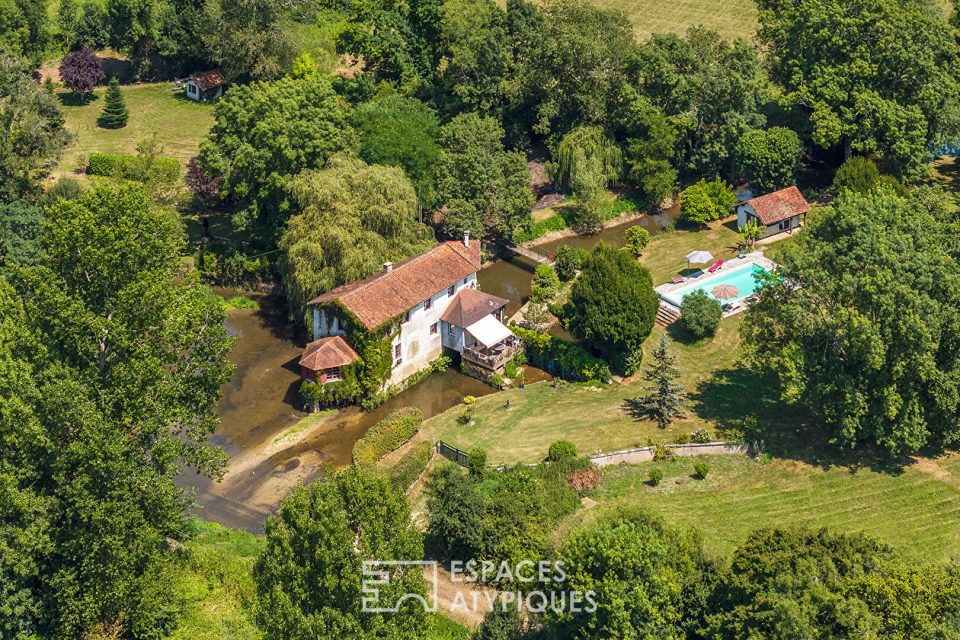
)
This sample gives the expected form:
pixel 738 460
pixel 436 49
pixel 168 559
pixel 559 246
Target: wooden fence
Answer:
pixel 453 454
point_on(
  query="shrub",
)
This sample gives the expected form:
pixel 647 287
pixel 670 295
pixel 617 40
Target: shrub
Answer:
pixel 201 183
pixel 510 370
pixel 584 480
pixel 562 450
pixel 496 380
pixel 567 261
pixel 637 239
pixel 130 167
pixel 469 399
pixel 681 438
pixel 330 394
pixel 705 201
pixel 701 313
pixel 858 174
pixel 661 452
pixel 545 284
pixel 477 462
pixel 561 358
pixel 387 435
pixel 700 436
pixel 655 476
pixel 466 416
pixel 541 228
pixel 701 469
pixel 411 465
pixel 242 302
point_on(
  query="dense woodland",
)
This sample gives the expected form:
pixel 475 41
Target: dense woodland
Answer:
pixel 113 349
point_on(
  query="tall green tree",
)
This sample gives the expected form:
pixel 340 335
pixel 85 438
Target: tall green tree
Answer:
pixel 769 158
pixel 264 135
pixel 24 29
pixel 613 306
pixel 664 397
pixel 109 388
pixel 399 131
pixel 860 324
pixel 711 90
pixel 354 218
pixel 650 149
pixel 482 186
pixel 817 584
pixel 134 27
pixel 705 202
pixel 114 114
pixel 476 56
pixel 646 579
pixel 581 65
pixel 33 136
pixel 247 39
pixel 595 146
pixel 310 576
pixel 865 85
pixel 20 225
pixel 397 41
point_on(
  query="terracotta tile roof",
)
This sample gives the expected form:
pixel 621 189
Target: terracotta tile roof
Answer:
pixel 326 353
pixel 779 205
pixel 470 305
pixel 385 295
pixel 209 80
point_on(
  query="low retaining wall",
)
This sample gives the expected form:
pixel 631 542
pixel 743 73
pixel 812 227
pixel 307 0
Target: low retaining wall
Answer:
pixel 645 454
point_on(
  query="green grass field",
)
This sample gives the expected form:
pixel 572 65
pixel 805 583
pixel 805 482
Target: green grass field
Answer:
pixel 732 18
pixel 181 124
pixel 916 510
pixel 665 256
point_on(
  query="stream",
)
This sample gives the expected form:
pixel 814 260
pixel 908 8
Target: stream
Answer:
pixel 261 403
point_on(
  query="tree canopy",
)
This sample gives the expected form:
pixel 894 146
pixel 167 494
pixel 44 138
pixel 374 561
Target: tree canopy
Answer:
pixel 400 131
pixel 310 575
pixel 482 186
pixel 877 76
pixel 613 306
pixel 354 218
pixel 769 158
pixel 264 135
pixel 860 323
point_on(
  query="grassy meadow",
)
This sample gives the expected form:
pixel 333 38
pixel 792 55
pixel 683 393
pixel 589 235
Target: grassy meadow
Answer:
pixel 180 123
pixel 915 509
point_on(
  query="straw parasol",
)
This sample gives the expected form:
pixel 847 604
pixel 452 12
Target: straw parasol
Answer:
pixel 725 292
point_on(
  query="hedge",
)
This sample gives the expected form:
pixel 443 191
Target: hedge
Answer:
pixel 561 358
pixel 130 167
pixel 387 435
pixel 411 465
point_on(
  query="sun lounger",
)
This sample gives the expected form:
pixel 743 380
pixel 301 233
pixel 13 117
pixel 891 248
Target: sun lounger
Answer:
pixel 716 267
pixel 678 280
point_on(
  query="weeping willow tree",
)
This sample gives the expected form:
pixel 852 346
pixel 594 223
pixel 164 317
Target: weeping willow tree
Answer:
pixel 596 147
pixel 354 217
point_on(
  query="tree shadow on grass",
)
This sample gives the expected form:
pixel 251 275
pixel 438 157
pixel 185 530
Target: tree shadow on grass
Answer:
pixel 742 401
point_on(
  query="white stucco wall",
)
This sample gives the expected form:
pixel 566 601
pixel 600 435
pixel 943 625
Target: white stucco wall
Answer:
pixel 417 347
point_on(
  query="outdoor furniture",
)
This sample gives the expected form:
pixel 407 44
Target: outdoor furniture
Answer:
pixel 699 257
pixel 716 267
pixel 677 280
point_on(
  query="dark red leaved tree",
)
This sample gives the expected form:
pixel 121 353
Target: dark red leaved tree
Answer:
pixel 81 72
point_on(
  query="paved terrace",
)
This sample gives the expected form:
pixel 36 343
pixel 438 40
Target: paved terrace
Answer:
pixel 702 277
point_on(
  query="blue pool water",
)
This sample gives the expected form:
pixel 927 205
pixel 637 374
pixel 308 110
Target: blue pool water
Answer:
pixel 743 278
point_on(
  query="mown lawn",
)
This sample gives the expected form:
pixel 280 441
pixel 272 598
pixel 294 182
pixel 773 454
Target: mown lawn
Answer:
pixel 731 18
pixel 915 509
pixel 180 123
pixel 665 256
pixel 596 419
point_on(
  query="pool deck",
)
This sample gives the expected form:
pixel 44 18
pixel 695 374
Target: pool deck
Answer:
pixel 702 277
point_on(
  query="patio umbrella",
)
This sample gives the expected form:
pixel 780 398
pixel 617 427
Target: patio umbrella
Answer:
pixel 725 292
pixel 699 256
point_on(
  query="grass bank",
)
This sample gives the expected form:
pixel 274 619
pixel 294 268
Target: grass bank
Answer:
pixel 595 418
pixel 915 509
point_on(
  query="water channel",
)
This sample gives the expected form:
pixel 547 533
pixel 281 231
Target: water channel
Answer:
pixel 261 403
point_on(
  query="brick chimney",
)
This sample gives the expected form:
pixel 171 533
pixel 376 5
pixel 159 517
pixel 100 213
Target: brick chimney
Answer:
pixel 466 239
pixel 387 267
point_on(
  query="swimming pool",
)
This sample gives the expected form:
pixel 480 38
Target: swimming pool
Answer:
pixel 743 278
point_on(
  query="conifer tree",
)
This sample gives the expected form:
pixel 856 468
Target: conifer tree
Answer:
pixel 114 114
pixel 665 397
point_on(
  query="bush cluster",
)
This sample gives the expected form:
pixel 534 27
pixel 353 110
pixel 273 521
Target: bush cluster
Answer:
pixel 131 167
pixel 562 450
pixel 411 465
pixel 541 228
pixel 387 435
pixel 561 358
pixel 701 313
